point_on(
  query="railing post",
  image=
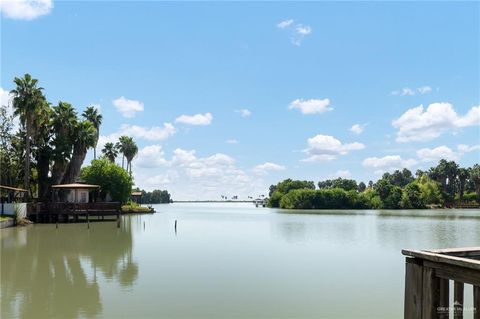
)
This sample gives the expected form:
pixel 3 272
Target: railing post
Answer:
pixel 413 288
pixel 431 294
pixel 458 300
pixel 443 310
pixel 476 302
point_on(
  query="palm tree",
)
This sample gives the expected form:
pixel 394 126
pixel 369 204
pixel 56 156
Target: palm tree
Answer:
pixel 64 123
pixel 463 174
pixel 122 146
pixel 91 114
pixel 110 151
pixel 27 99
pixel 451 172
pixel 130 152
pixel 475 177
pixel 85 135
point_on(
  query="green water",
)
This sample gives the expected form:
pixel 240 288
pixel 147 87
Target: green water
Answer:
pixel 225 261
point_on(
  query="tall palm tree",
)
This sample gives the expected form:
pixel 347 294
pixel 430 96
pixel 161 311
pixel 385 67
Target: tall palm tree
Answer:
pixel 121 145
pixel 475 177
pixel 85 135
pixel 451 172
pixel 130 152
pixel 463 174
pixel 91 114
pixel 64 123
pixel 110 151
pixel 27 99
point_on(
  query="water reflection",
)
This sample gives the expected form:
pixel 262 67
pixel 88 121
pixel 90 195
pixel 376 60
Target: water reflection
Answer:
pixel 53 273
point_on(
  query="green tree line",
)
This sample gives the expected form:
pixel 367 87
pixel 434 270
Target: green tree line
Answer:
pixel 446 185
pixel 156 196
pixel 52 141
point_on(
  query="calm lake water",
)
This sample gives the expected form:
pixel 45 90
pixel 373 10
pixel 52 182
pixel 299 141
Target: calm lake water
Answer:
pixel 225 261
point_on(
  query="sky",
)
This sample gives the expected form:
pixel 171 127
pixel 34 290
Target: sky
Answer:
pixel 227 98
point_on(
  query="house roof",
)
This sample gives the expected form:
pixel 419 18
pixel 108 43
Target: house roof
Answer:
pixel 75 186
pixel 13 189
pixel 136 193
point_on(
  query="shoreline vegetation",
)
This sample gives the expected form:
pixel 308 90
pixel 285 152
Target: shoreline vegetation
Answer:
pixel 443 186
pixel 50 145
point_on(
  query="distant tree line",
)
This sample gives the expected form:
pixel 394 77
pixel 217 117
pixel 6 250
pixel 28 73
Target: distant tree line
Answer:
pixel 445 185
pixel 157 196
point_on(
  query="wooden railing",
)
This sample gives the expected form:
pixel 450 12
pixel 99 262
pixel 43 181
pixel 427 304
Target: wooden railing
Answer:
pixel 65 207
pixel 427 282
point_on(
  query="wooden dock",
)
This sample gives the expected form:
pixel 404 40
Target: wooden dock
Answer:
pixel 427 282
pixel 64 212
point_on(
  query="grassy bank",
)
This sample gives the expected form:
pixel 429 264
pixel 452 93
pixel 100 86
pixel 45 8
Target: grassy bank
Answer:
pixel 134 208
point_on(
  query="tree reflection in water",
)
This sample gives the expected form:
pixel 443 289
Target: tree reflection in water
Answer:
pixel 52 273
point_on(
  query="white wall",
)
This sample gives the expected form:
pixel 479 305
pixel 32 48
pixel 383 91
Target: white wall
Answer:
pixel 9 209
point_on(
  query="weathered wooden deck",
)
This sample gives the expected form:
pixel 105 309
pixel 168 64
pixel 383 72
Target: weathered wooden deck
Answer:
pixel 427 282
pixel 55 212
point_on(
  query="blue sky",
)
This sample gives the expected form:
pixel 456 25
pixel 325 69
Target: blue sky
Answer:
pixel 228 98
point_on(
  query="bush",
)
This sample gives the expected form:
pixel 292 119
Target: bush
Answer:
pixel 470 197
pixel 334 198
pixel 112 179
pixel 412 197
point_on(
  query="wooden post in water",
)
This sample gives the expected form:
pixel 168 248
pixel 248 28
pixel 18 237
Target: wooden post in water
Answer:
pixel 175 226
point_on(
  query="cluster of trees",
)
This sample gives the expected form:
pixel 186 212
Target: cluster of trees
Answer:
pixel 445 184
pixel 126 146
pixel 114 181
pixel 52 141
pixel 157 196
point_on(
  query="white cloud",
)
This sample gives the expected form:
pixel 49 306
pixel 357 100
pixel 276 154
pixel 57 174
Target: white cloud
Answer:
pixel 197 119
pixel 244 112
pixel 387 163
pixel 417 124
pixel 304 30
pixel 409 91
pixel 231 141
pixel 189 176
pixel 436 154
pixel 263 169
pixel 358 128
pixel 127 107
pixel 5 97
pixel 300 32
pixel 463 148
pixel 6 100
pixel 312 106
pixel 25 9
pixel 470 119
pixel 297 32
pixel 343 174
pixel 151 156
pixel 424 89
pixel 284 24
pixel 155 133
pixel 327 148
